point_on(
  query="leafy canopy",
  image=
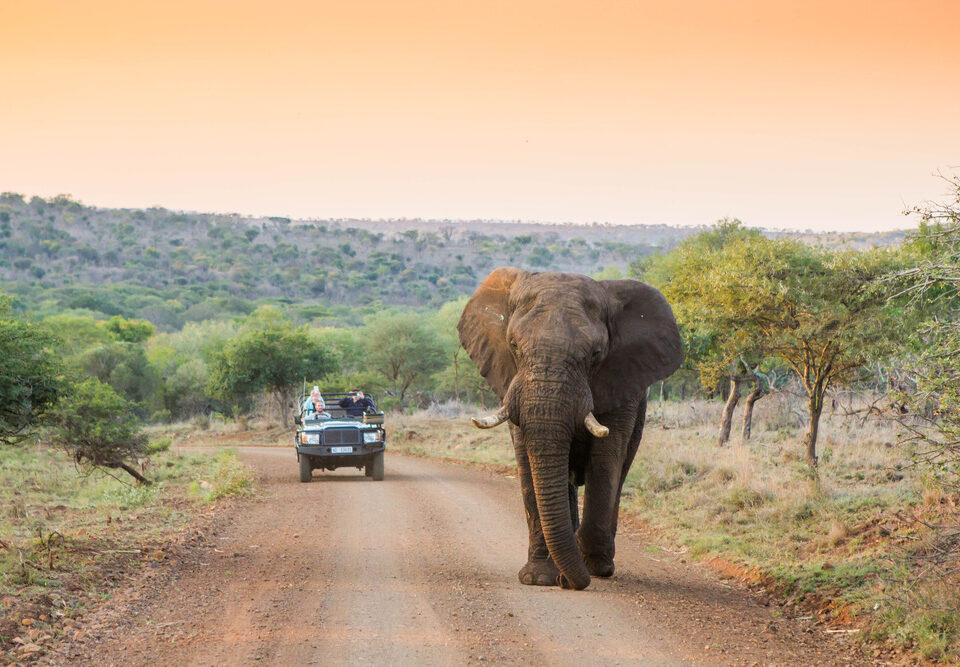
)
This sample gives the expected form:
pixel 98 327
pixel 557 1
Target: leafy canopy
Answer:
pixel 275 359
pixel 402 348
pixel 30 375
pixel 98 427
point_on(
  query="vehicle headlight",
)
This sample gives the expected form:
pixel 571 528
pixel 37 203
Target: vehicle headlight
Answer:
pixel 311 438
pixel 371 436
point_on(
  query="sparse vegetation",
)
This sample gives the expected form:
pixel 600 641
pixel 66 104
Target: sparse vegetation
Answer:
pixel 820 542
pixel 64 535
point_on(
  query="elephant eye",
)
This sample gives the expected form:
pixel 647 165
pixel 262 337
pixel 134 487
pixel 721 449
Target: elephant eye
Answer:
pixel 596 353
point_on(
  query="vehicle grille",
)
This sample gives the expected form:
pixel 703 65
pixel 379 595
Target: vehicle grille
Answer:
pixel 341 436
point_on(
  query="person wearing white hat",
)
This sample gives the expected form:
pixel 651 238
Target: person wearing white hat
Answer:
pixel 314 405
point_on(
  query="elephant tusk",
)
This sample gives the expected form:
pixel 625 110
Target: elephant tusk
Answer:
pixel 490 421
pixel 596 428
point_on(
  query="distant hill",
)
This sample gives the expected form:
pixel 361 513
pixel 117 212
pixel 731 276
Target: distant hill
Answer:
pixel 175 266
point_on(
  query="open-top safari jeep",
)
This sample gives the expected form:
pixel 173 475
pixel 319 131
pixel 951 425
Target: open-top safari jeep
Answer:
pixel 334 439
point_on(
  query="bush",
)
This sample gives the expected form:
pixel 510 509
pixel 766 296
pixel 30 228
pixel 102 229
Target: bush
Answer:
pixel 97 426
pixel 29 377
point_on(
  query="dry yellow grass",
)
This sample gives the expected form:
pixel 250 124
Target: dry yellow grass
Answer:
pixel 820 535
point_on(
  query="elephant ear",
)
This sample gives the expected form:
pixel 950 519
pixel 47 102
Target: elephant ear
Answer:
pixel 645 343
pixel 483 328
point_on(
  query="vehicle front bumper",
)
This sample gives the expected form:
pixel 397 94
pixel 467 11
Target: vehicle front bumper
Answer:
pixel 359 451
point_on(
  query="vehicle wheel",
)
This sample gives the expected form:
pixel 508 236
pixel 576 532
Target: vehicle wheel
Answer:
pixel 306 470
pixel 376 467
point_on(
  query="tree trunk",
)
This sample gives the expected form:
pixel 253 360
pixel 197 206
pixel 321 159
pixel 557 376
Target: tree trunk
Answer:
pixel 727 417
pixel 815 407
pixel 280 398
pixel 133 472
pixel 456 380
pixel 752 398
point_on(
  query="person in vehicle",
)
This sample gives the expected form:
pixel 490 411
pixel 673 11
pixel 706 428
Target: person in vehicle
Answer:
pixel 314 406
pixel 356 404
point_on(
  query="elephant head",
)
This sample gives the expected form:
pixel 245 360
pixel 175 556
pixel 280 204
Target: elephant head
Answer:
pixel 558 349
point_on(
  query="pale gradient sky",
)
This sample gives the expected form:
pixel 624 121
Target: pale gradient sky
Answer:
pixel 787 114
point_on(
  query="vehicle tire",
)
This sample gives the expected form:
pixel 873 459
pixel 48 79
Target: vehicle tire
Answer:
pixel 376 467
pixel 306 470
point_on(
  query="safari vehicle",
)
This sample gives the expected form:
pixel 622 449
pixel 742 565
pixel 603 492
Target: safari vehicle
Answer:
pixel 333 439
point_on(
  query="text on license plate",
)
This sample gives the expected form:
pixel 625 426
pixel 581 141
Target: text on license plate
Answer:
pixel 341 450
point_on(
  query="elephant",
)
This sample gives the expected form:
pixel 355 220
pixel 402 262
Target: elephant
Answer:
pixel 571 359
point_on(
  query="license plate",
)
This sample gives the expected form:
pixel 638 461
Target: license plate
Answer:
pixel 341 450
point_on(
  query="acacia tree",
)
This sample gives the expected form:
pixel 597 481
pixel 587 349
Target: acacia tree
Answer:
pixel 719 344
pixel 275 360
pixel 823 313
pixel 934 286
pixel 402 348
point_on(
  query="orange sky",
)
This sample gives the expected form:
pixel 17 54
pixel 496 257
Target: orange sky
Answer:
pixel 801 114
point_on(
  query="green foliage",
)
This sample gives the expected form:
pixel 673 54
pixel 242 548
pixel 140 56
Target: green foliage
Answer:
pixel 716 344
pixel 746 300
pixel 126 368
pixel 168 267
pixel 129 331
pixel 75 332
pixel 97 426
pixel 403 349
pixel 273 358
pixel 459 379
pixel 30 376
pixel 934 371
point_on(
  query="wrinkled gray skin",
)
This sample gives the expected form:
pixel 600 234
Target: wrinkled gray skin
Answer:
pixel 556 347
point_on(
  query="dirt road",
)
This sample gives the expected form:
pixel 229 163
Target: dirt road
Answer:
pixel 421 569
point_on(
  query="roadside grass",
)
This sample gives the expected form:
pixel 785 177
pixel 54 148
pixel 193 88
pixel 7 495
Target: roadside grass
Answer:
pixel 68 534
pixel 837 543
pixel 448 435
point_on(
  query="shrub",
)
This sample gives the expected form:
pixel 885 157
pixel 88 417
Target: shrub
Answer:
pixel 97 426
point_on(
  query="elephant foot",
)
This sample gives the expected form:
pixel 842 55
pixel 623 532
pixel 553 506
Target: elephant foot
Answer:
pixel 599 566
pixel 539 573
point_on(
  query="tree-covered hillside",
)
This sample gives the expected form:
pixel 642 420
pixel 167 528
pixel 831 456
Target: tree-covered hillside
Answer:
pixel 173 267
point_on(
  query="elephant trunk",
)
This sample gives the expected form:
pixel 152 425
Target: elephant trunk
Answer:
pixel 550 480
pixel 549 413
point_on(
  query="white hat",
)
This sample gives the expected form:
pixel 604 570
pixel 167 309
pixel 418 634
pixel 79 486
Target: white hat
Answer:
pixel 316 388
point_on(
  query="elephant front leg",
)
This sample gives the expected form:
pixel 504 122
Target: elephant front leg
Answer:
pixel 606 472
pixel 540 569
pixel 595 537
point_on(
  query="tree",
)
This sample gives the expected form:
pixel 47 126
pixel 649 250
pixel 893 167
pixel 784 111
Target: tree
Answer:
pixel 822 313
pixel 402 348
pixel 445 322
pixel 129 331
pixel 126 368
pixel 932 397
pixel 275 359
pixel 75 333
pixel 30 376
pixel 98 427
pixel 719 345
